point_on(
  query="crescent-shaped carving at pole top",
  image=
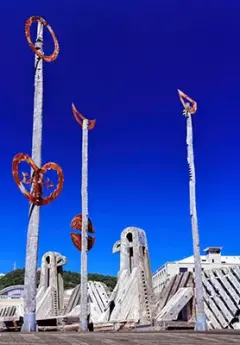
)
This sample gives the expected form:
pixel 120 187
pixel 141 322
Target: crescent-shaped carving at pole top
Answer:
pixel 47 58
pixel 79 118
pixel 190 108
pixel 37 181
pixel 76 224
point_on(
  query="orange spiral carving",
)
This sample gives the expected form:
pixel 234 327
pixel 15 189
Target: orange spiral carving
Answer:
pixel 37 180
pixel 47 58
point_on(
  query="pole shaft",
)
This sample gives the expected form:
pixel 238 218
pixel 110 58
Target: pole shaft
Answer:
pixel 200 314
pixel 30 278
pixel 84 262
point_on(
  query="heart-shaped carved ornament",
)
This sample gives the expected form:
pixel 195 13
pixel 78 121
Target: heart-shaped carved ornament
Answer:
pixel 36 180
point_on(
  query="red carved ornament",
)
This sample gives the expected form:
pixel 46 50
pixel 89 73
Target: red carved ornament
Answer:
pixel 37 182
pixel 76 223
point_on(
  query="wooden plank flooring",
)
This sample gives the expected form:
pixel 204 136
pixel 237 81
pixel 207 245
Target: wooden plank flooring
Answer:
pixel 130 338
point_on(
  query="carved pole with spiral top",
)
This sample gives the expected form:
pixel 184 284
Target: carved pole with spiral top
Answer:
pixel 30 285
pixel 189 109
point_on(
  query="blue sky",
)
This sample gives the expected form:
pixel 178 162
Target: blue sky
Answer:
pixel 121 62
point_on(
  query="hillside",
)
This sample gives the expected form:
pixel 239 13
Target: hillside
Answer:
pixel 71 279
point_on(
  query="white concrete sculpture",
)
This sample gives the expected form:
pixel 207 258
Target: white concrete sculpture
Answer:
pixel 98 298
pixel 132 298
pixel 50 293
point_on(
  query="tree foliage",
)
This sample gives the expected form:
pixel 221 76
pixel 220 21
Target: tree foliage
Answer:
pixel 71 279
pixel 12 278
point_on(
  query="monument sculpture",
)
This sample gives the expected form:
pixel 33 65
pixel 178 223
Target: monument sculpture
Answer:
pixel 132 298
pixel 50 294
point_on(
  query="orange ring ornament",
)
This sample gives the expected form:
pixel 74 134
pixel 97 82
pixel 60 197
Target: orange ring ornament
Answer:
pixel 79 118
pixel 190 108
pixel 47 58
pixel 76 224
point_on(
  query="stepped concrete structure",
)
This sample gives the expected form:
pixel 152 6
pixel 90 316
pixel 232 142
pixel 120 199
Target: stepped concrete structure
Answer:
pixel 98 298
pixel 221 298
pixel 212 260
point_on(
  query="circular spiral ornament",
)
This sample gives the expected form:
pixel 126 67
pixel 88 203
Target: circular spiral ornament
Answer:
pixel 47 58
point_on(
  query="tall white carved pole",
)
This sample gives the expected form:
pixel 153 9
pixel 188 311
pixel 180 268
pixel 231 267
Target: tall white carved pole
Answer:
pixel 200 324
pixel 86 126
pixel 84 257
pixel 30 278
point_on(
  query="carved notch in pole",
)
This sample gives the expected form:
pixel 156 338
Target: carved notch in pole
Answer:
pixel 189 108
pixel 79 118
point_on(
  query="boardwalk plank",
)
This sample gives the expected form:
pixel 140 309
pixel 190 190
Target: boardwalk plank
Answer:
pixel 120 338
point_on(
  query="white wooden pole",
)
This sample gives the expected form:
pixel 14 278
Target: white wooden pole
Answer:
pixel 30 278
pixel 201 324
pixel 84 254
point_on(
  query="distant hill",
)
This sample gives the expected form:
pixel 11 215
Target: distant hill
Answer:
pixel 71 279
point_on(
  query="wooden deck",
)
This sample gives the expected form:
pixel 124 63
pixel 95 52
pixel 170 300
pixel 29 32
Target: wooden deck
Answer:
pixel 136 338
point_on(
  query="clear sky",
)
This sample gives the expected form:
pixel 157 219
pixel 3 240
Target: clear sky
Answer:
pixel 121 62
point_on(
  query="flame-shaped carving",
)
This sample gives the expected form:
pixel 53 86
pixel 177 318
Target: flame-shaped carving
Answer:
pixel 188 108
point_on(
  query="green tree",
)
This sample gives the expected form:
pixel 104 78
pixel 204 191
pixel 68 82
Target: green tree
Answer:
pixel 71 279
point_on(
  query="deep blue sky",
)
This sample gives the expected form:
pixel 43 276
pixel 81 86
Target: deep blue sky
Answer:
pixel 121 62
